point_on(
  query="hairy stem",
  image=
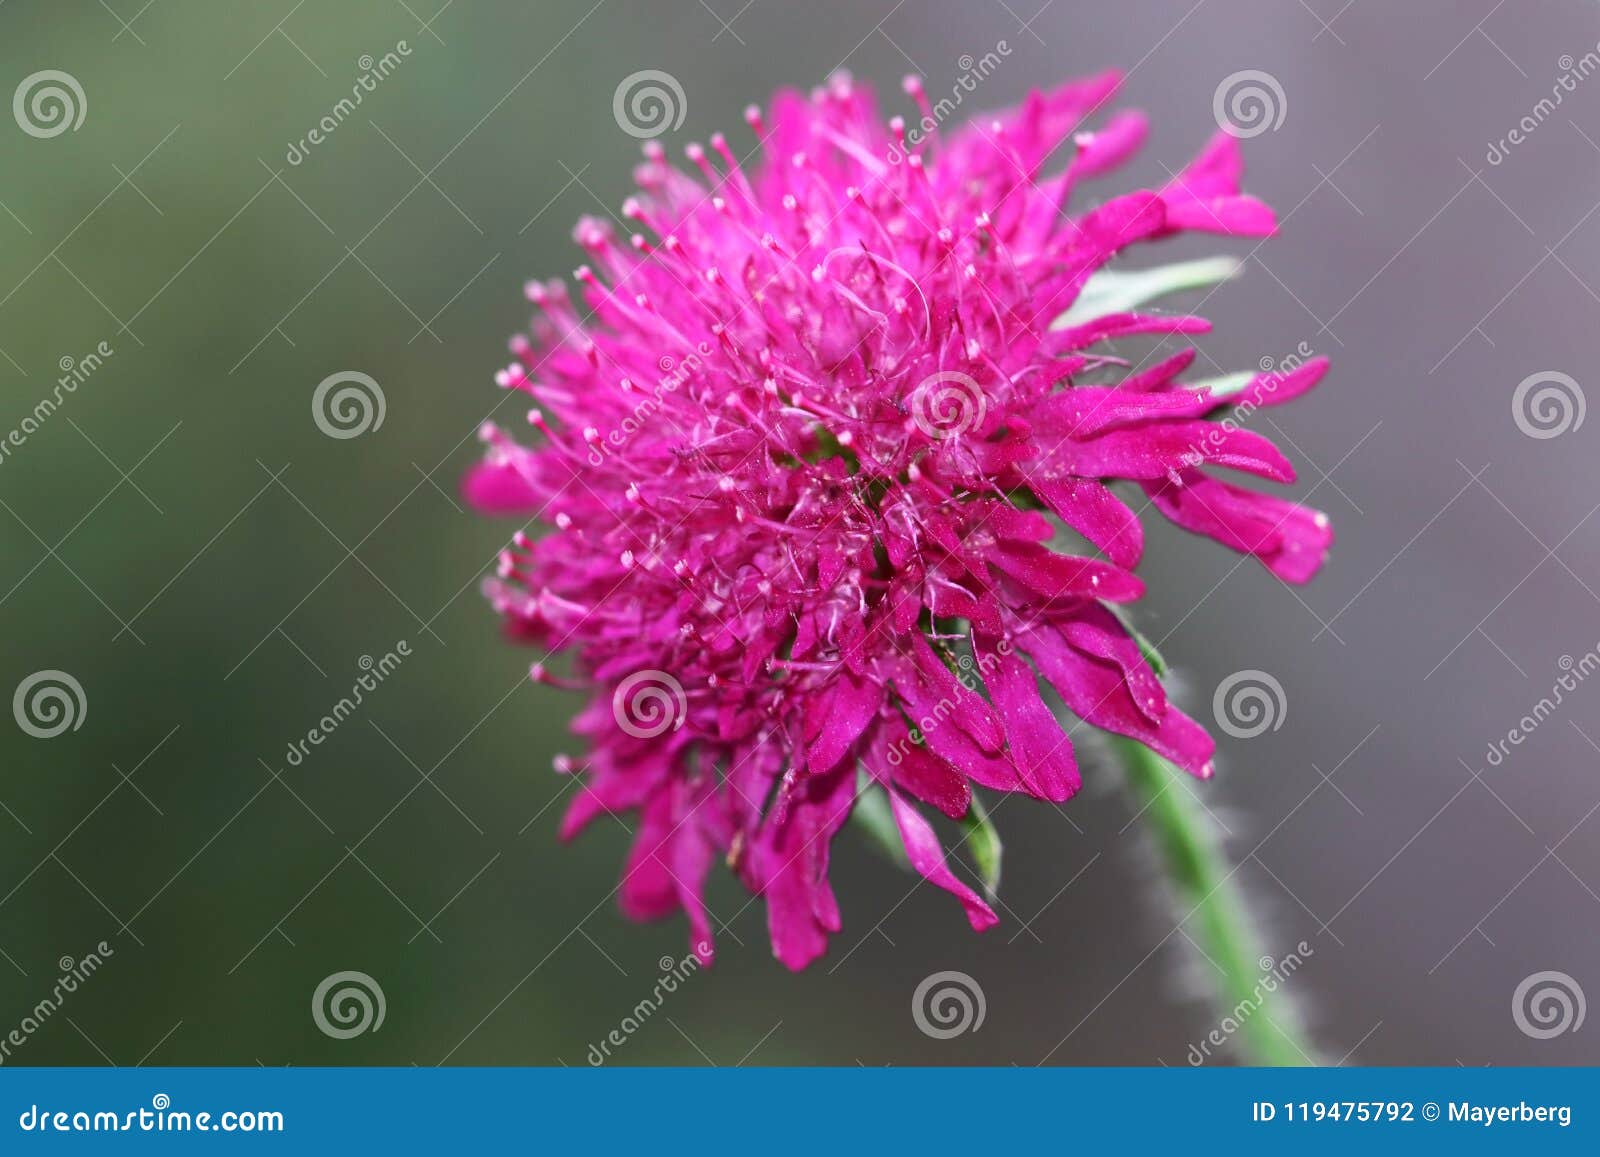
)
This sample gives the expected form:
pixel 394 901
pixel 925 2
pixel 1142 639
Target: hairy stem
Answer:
pixel 1268 1032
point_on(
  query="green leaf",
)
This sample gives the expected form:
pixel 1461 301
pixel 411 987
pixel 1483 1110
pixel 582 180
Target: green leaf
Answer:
pixel 1223 387
pixel 874 817
pixel 1116 291
pixel 983 838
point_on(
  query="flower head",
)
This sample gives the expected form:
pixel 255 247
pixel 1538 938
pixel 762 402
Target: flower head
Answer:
pixel 826 451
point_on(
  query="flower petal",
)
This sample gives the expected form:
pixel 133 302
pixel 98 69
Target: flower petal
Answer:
pixel 1291 540
pixel 927 857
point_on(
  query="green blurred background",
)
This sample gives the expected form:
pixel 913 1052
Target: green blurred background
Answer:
pixel 211 568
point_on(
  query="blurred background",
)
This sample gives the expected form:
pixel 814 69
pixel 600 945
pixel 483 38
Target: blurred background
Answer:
pixel 179 537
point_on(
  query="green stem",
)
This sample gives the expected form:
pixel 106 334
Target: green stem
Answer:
pixel 1268 1032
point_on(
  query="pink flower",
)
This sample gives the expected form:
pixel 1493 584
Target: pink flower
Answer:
pixel 806 444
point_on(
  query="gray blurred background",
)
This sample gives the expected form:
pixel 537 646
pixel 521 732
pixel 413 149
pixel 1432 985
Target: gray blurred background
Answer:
pixel 182 540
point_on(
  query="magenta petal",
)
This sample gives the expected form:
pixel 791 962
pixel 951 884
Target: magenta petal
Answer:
pixel 1098 634
pixel 693 856
pixel 931 716
pixel 1276 387
pixel 946 696
pixel 1121 221
pixel 1117 697
pixel 927 857
pixel 1216 171
pixel 1291 540
pixel 797 938
pixel 1160 374
pixel 847 709
pixel 1039 746
pixel 609 787
pixel 895 759
pixel 1182 742
pixel 957 748
pixel 1065 576
pixel 1112 146
pixel 648 890
pixel 1090 508
pixel 498 488
pixel 1085 411
pixel 1117 325
pixel 1205 196
pixel 1229 216
pixel 1155 450
pixel 788 864
pixel 932 781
